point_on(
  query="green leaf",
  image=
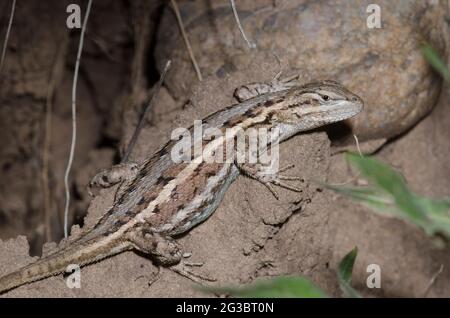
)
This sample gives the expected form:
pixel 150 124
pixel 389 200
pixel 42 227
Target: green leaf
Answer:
pixel 345 271
pixel 439 214
pixel 433 57
pixel 369 196
pixel 390 183
pixel 388 194
pixel 280 287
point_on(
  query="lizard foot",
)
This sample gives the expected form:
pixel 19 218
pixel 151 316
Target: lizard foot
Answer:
pixel 251 90
pixel 166 252
pixel 184 269
pixel 258 173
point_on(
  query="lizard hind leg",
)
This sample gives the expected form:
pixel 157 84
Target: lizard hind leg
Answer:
pixel 166 252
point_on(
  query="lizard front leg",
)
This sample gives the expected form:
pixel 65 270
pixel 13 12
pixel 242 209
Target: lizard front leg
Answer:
pixel 122 173
pixel 251 90
pixel 269 178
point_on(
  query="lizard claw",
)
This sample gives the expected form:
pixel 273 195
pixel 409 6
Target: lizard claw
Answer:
pixel 271 179
pixel 281 184
pixel 182 269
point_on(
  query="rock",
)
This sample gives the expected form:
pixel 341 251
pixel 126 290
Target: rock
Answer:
pixel 321 40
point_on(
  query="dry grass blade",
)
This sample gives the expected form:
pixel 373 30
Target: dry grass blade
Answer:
pixel 186 40
pixel 139 127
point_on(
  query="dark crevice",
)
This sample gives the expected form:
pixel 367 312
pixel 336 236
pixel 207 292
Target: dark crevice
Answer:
pixel 151 71
pixel 338 132
pixel 109 142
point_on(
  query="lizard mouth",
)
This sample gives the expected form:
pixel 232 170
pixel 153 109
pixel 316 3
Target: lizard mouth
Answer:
pixel 343 109
pixel 333 111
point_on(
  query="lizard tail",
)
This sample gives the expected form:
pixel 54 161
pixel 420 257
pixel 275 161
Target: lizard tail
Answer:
pixel 48 266
pixel 57 263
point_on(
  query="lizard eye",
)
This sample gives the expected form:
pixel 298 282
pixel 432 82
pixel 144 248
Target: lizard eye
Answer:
pixel 325 97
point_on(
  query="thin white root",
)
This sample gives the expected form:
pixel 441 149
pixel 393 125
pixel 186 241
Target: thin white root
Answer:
pixel 241 29
pixel 74 121
pixel 8 31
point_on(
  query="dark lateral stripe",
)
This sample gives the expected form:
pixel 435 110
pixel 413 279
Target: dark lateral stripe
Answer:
pixel 142 201
pixel 269 103
pixel 193 214
pixel 305 102
pixel 163 180
pixel 249 113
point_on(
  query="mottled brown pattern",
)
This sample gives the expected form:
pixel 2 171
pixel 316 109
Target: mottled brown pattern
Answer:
pixel 173 171
pixel 148 165
pixel 209 169
pixel 205 203
pixel 124 219
pixel 251 113
pixel 305 102
pixel 234 121
pixel 256 111
pixel 148 197
pixel 184 194
pixel 186 191
pixel 269 103
pixel 266 122
pixel 145 200
pixel 165 210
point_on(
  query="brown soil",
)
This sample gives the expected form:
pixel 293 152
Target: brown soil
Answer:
pixel 251 234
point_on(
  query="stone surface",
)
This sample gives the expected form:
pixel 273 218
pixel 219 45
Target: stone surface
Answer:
pixel 320 40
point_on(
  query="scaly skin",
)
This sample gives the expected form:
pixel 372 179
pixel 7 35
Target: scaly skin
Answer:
pixel 166 198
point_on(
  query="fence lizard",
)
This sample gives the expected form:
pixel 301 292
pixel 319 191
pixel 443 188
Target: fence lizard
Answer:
pixel 161 198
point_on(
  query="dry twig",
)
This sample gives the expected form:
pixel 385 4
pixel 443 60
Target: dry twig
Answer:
pixel 47 141
pixel 186 40
pixel 140 125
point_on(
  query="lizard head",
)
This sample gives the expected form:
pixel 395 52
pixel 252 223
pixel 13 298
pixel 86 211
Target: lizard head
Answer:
pixel 317 104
